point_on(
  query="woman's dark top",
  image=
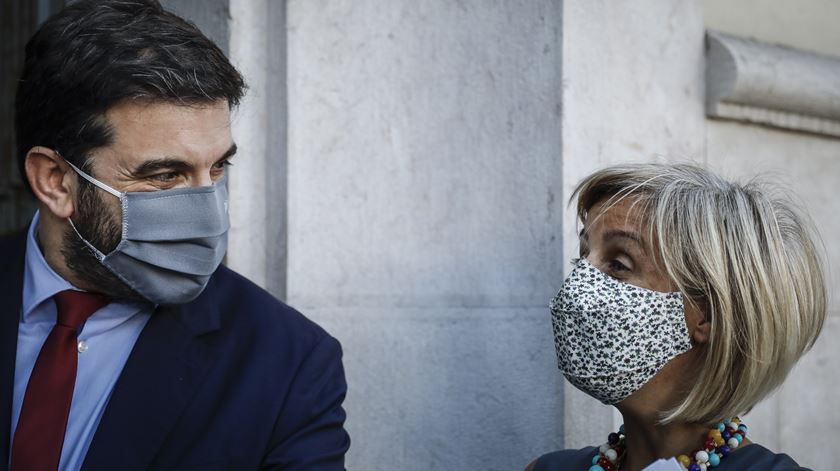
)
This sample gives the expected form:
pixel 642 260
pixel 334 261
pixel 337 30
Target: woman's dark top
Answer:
pixel 750 457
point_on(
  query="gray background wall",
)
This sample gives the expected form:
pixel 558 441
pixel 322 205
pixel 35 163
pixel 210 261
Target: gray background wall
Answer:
pixel 424 221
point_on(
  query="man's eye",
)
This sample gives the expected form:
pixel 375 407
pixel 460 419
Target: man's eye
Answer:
pixel 222 164
pixel 165 177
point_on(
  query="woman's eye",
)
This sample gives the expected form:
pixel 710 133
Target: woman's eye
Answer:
pixel 617 266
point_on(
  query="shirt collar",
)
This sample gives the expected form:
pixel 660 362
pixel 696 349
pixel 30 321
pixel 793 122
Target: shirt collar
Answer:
pixel 40 281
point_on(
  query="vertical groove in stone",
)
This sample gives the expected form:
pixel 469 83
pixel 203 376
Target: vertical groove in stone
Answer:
pixel 276 162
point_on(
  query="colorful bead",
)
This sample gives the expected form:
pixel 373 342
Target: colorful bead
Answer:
pixel 726 435
pixel 701 456
pixel 596 458
pixel 604 447
pixel 611 455
pixel 606 464
pixel 612 439
pixel 738 437
pixel 693 467
pixel 684 460
pixel 709 444
pixel 724 450
pixel 596 468
pixel 743 428
pixel 720 427
pixel 621 429
pixel 719 441
pixel 703 466
pixel 714 459
pixel 733 443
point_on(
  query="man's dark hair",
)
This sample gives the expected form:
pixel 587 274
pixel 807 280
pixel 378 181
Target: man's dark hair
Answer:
pixel 94 54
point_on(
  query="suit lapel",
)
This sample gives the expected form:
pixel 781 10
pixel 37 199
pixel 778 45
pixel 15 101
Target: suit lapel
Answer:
pixel 163 372
pixel 12 249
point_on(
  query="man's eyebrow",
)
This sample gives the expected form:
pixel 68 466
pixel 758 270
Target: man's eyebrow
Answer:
pixel 166 163
pixel 228 154
pixel 172 164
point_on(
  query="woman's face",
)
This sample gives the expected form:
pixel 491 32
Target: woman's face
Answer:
pixel 615 242
pixel 614 239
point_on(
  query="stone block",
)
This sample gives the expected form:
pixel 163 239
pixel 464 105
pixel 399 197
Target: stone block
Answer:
pixel 448 388
pixel 806 167
pixel 424 153
pixel 807 417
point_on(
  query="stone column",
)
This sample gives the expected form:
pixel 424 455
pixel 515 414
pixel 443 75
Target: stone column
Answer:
pixel 633 75
pixel 258 177
pixel 425 218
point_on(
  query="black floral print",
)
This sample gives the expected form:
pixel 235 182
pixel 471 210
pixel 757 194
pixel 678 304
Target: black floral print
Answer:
pixel 612 337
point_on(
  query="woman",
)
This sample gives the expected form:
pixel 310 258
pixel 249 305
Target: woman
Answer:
pixel 691 301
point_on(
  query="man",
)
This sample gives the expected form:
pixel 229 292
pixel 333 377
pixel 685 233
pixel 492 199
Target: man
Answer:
pixel 125 344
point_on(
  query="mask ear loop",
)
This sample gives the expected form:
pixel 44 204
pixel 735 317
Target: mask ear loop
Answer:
pixel 94 181
pixel 98 253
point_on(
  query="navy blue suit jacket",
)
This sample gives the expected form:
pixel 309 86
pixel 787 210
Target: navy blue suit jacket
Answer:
pixel 234 380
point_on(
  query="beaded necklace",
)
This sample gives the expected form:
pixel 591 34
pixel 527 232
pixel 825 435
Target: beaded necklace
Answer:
pixel 722 439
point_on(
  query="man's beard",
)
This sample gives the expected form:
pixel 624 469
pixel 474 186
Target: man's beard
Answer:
pixel 97 223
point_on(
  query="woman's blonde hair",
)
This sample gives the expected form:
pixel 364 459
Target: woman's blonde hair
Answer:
pixel 742 253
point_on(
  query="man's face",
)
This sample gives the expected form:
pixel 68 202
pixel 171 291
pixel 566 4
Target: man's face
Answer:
pixel 156 146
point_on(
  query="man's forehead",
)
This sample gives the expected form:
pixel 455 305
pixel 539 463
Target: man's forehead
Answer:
pixel 145 131
pixel 183 117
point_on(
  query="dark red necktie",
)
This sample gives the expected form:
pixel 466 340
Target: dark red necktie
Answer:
pixel 43 417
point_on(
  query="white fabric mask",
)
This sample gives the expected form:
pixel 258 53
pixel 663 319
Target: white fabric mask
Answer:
pixel 612 337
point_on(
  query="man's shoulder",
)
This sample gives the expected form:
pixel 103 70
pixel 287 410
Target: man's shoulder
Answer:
pixel 12 242
pixel 248 309
pixel 12 252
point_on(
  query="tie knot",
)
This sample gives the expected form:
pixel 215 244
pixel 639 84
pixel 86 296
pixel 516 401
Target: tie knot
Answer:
pixel 74 307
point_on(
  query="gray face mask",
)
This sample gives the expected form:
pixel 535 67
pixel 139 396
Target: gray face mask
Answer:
pixel 172 240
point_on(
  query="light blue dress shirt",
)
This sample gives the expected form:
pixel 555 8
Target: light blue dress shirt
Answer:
pixel 105 342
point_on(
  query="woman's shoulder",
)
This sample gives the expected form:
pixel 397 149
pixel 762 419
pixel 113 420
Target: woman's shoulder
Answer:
pixel 757 457
pixel 565 459
pixel 752 457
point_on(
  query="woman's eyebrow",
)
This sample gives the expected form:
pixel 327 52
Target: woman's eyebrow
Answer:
pixel 622 234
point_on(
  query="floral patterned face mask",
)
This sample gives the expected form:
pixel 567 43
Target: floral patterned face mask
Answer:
pixel 612 337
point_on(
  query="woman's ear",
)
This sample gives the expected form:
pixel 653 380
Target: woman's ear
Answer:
pixel 698 321
pixel 51 181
